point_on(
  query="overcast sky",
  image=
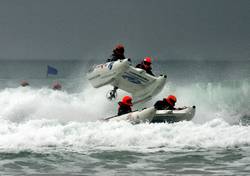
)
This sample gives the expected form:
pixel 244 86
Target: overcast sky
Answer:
pixel 88 29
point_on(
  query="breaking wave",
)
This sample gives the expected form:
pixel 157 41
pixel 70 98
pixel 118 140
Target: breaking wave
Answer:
pixel 45 135
pixel 38 119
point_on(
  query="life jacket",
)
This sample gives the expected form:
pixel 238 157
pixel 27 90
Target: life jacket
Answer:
pixel 115 57
pixel 123 108
pixel 148 69
pixel 163 105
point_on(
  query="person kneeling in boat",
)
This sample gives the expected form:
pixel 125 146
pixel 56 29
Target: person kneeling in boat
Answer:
pixel 125 105
pixel 118 54
pixel 167 104
pixel 146 65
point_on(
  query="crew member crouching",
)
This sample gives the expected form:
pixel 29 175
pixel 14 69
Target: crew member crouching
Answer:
pixel 125 105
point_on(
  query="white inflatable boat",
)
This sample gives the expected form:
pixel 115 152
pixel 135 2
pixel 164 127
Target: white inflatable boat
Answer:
pixel 145 115
pixel 120 74
pixel 172 116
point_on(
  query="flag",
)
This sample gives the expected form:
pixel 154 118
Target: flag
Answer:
pixel 51 70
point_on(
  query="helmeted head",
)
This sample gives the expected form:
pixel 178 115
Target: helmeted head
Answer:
pixel 171 99
pixel 119 49
pixel 57 86
pixel 24 83
pixel 147 62
pixel 127 100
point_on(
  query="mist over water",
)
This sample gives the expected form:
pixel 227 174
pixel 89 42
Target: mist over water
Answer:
pixel 37 120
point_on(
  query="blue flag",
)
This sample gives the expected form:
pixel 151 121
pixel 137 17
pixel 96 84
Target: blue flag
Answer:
pixel 51 70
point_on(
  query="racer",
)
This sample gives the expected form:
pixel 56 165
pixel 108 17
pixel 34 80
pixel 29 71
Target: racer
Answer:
pixel 57 86
pixel 118 53
pixel 125 105
pixel 146 65
pixel 24 83
pixel 167 103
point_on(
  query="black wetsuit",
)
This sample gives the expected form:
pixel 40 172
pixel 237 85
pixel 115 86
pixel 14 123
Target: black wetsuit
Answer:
pixel 115 57
pixel 163 105
pixel 148 70
pixel 123 109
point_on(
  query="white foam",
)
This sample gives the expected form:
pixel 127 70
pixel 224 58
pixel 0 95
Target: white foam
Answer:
pixel 87 136
pixel 35 119
pixel 22 104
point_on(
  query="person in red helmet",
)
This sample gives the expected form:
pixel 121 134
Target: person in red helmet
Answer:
pixel 57 86
pixel 118 53
pixel 167 103
pixel 25 83
pixel 125 105
pixel 146 65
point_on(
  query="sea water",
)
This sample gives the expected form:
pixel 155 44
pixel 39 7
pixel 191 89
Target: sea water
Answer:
pixel 49 132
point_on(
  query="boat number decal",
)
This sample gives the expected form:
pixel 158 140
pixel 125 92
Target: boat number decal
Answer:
pixel 110 65
pixel 131 79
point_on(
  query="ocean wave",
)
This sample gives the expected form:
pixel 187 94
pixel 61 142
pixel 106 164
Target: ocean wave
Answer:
pixel 229 101
pixel 44 119
pixel 46 135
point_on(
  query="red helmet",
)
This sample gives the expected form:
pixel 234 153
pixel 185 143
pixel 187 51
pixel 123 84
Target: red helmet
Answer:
pixel 127 100
pixel 119 48
pixel 147 62
pixel 171 99
pixel 147 59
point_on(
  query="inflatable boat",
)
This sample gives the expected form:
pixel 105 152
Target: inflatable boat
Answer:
pixel 171 116
pixel 122 75
pixel 145 115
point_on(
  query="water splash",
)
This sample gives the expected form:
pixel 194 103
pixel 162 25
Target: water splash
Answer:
pixel 41 119
pixel 42 135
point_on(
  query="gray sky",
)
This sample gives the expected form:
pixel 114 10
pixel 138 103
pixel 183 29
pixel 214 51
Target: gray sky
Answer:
pixel 89 29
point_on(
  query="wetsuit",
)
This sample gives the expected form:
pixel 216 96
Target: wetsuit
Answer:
pixel 115 57
pixel 148 70
pixel 123 109
pixel 163 105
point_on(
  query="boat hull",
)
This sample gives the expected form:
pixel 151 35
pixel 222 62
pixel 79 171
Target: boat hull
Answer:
pixel 145 115
pixel 171 116
pixel 133 80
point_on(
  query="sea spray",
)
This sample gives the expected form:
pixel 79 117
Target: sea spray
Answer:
pixel 88 136
pixel 229 101
pixel 59 132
